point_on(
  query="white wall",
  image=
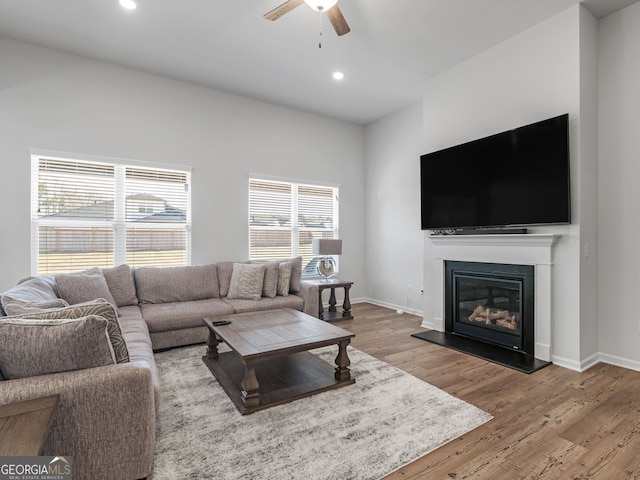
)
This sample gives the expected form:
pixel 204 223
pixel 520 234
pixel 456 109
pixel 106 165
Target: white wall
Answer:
pixel 54 101
pixel 588 178
pixel 530 77
pixel 619 194
pixel 393 236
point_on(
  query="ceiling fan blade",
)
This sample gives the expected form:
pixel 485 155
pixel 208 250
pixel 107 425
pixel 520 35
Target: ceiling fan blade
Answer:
pixel 286 7
pixel 337 20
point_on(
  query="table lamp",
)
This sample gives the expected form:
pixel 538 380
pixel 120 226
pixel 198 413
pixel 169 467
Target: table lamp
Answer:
pixel 326 247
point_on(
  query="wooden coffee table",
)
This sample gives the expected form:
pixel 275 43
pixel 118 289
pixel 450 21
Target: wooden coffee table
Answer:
pixel 24 426
pixel 269 363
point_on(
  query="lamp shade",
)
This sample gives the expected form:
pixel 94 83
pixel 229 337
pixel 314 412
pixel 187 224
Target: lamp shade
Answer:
pixel 325 246
pixel 321 5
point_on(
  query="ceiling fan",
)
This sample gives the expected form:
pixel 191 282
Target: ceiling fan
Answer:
pixel 329 6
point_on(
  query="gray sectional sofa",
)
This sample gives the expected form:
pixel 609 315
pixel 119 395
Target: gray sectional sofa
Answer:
pixel 90 336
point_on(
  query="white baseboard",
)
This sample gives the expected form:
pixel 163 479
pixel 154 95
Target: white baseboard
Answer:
pixel 429 325
pixel 589 362
pixel 391 306
pixel 594 359
pixel 619 361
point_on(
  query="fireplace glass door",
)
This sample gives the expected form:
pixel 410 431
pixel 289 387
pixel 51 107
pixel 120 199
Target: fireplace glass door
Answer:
pixel 491 302
pixel 489 308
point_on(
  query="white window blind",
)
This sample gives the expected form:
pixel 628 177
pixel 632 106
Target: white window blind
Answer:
pixel 285 217
pixel 88 214
pixel 157 204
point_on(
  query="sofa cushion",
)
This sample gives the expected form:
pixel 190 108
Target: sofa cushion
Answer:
pixel 131 318
pixel 133 325
pixel 225 270
pixel 21 308
pixel 39 347
pixel 246 281
pixel 98 307
pixel 245 306
pixel 173 316
pixel 83 287
pixel 176 284
pixel 121 285
pixel 284 278
pixel 136 335
pixel 32 289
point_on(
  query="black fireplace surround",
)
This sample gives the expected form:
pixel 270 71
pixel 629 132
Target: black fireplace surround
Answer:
pixel 489 313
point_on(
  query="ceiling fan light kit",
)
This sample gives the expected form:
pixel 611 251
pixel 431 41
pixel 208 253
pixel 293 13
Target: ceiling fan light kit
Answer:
pixel 321 5
pixel 329 6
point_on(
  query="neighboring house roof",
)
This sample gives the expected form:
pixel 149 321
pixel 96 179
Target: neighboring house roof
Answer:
pixel 146 197
pixel 104 211
pixel 170 215
pixel 97 211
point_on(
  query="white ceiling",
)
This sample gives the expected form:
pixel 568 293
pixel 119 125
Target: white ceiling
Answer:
pixel 394 45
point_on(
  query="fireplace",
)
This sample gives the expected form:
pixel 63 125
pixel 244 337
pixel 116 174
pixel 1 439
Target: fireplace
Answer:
pixel 492 303
pixel 489 313
pixel 534 250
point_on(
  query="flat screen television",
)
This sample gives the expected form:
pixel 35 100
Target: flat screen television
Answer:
pixel 515 178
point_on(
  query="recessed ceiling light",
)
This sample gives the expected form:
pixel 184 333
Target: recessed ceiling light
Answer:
pixel 128 4
pixel 338 75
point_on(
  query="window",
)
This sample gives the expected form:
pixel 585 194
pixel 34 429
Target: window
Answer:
pixel 90 214
pixel 284 217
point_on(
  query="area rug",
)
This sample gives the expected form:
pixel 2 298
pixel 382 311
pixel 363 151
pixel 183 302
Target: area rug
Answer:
pixel 363 431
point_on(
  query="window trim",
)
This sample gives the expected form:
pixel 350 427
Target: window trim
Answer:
pixel 295 227
pixel 119 225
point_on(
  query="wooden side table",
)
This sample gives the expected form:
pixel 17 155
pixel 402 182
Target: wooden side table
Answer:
pixel 332 313
pixel 24 426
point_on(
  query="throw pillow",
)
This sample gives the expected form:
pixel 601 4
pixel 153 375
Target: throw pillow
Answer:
pixel 270 285
pixel 225 270
pixel 99 307
pixel 81 287
pixel 284 278
pixel 296 273
pixel 40 347
pixel 32 289
pixel 20 308
pixel 121 285
pixel 246 281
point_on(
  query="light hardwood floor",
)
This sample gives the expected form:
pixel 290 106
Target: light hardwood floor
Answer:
pixel 553 424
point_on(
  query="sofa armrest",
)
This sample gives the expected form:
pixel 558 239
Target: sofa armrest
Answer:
pixel 310 294
pixel 105 418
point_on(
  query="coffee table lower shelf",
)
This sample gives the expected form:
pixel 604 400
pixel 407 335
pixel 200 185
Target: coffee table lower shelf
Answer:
pixel 282 378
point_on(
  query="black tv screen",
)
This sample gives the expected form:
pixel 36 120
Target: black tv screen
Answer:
pixel 514 178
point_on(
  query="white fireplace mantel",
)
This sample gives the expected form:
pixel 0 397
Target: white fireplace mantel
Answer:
pixel 518 249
